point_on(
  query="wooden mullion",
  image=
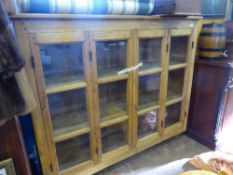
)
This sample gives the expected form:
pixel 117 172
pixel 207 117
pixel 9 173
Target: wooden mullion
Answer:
pixel 164 81
pixel 189 78
pixel 95 90
pixel 89 96
pixel 130 85
pixel 44 104
pixel 135 93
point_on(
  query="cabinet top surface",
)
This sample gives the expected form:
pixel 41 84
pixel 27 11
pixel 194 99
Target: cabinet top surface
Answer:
pixel 100 17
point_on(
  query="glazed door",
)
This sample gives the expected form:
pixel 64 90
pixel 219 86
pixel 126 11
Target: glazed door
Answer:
pixel 178 69
pixel 151 53
pixel 111 57
pixel 65 92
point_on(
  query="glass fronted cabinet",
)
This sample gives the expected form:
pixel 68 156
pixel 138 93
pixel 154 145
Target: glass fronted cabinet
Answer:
pixel 107 93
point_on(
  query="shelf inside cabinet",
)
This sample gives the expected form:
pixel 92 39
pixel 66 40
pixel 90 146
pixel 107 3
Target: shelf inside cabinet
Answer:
pixel 108 121
pixel 173 114
pixel 145 110
pixel 148 90
pixel 110 111
pixel 175 84
pixel 149 71
pixel 114 136
pixel 109 79
pixel 73 151
pixel 178 50
pixel 176 66
pixel 62 63
pixel 65 87
pixel 69 123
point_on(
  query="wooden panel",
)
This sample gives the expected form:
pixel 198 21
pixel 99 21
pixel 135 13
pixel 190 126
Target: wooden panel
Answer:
pixel 111 35
pixel 150 33
pixel 12 146
pixel 53 38
pixel 208 84
pixel 181 32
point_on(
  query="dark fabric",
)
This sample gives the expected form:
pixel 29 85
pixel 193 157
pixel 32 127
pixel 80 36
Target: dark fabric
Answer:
pixel 11 59
pixel 11 101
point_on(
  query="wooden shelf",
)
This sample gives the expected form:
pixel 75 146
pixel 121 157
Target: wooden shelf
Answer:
pixel 177 66
pixel 108 121
pixel 109 79
pixel 143 111
pixel 70 135
pixel 149 71
pixel 174 101
pixel 65 87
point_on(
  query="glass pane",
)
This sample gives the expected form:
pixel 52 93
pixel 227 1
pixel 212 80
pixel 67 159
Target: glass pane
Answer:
pixel 149 90
pixel 62 63
pixel 173 114
pixel 111 57
pixel 175 84
pixel 113 100
pixel 114 137
pixel 150 53
pixel 68 111
pixel 179 48
pixel 147 123
pixel 73 151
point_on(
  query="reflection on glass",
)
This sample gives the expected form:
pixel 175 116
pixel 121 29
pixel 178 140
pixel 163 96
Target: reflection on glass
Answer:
pixel 149 86
pixel 147 123
pixel 62 63
pixel 179 49
pixel 113 100
pixel 173 114
pixel 175 84
pixel 114 137
pixel 150 53
pixel 68 111
pixel 73 151
pixel 111 57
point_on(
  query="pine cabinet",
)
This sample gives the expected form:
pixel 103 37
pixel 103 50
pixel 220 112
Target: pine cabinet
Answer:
pixel 107 87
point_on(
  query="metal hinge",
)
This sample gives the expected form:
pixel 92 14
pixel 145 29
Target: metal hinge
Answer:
pixel 167 47
pixel 162 123
pixel 51 167
pixel 192 44
pixel 185 114
pixel 33 62
pixel 90 56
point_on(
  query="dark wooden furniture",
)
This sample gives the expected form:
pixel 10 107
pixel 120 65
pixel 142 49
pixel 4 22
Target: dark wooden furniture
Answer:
pixel 12 146
pixel 211 101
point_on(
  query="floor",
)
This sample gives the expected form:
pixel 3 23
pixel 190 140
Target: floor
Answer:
pixel 168 158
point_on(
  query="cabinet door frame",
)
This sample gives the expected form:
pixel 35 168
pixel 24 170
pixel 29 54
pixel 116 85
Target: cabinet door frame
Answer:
pixel 150 34
pixel 112 35
pixel 62 38
pixel 186 66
